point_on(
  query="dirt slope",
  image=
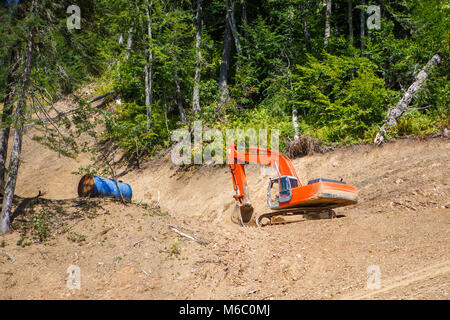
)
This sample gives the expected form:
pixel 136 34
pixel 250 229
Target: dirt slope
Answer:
pixel 401 224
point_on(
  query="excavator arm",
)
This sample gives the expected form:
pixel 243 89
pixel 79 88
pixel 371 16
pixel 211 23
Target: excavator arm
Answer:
pixel 264 156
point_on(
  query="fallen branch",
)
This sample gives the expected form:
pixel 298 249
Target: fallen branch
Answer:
pixel 146 205
pixel 63 113
pixel 200 241
pixel 403 105
pixel 104 232
pixel 137 242
pixel 101 97
pixel 210 260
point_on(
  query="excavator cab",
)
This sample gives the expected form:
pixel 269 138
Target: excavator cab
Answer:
pixel 284 185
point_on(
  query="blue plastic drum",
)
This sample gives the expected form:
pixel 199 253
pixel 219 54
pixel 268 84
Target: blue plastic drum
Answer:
pixel 92 186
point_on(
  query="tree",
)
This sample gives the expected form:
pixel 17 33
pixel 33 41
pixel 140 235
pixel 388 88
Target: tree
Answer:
pixel 148 65
pixel 306 32
pixel 20 114
pixel 8 101
pixel 226 56
pixel 51 61
pixel 350 19
pixel 327 23
pixel 198 40
pixel 403 105
pixel 362 27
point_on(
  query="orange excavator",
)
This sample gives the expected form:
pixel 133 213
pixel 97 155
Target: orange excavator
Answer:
pixel 285 195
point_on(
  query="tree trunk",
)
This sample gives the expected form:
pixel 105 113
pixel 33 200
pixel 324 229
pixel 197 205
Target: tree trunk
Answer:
pixel 245 25
pixel 4 138
pixel 129 43
pixel 6 115
pixel 237 41
pixel 350 19
pixel 295 123
pixel 179 98
pixel 363 29
pixel 19 114
pixel 305 28
pixel 403 105
pixel 225 65
pixel 198 39
pixel 327 24
pixel 148 69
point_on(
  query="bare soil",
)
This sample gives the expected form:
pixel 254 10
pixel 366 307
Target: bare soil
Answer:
pixel 401 224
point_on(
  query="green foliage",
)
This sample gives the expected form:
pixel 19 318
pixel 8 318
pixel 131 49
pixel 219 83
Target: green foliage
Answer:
pixel 174 249
pixel 91 170
pixel 41 226
pixel 341 95
pixel 341 92
pixel 77 238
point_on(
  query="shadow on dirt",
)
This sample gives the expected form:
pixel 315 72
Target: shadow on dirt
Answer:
pixel 24 209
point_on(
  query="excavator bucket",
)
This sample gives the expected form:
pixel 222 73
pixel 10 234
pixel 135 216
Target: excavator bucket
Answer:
pixel 242 214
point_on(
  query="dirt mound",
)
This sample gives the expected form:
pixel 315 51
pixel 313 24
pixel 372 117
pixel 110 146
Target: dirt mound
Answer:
pixel 399 225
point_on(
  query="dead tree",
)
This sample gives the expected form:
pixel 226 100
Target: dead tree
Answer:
pixel 403 105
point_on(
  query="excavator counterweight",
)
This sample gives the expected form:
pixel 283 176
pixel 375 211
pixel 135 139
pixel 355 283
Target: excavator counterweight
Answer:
pixel 285 194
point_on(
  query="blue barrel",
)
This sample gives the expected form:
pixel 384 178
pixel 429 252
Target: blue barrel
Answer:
pixel 92 186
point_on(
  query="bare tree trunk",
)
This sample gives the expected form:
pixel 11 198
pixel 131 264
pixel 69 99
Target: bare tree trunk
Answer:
pixel 179 98
pixel 198 39
pixel 305 28
pixel 350 19
pixel 148 70
pixel 237 41
pixel 165 112
pixel 4 138
pixel 363 29
pixel 295 123
pixel 403 105
pixel 19 114
pixel 129 43
pixel 327 24
pixel 245 25
pixel 225 65
pixel 6 115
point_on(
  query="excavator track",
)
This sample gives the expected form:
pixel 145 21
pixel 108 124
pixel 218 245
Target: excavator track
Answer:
pixel 330 214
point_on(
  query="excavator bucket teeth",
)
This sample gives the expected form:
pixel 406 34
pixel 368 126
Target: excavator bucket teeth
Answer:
pixel 242 214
